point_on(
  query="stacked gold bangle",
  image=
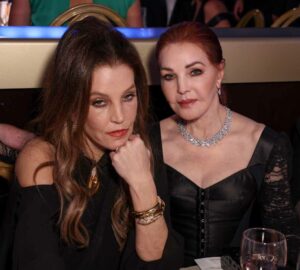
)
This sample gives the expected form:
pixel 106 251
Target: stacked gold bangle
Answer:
pixel 149 216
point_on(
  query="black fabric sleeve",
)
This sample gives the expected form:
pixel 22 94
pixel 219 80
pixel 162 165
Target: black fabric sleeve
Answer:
pixel 37 243
pixel 278 211
pixel 172 256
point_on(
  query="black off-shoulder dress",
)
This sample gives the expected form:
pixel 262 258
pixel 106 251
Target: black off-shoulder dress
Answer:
pixel 30 238
pixel 212 220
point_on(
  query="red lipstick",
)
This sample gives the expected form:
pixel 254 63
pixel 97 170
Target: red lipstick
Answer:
pixel 186 102
pixel 118 133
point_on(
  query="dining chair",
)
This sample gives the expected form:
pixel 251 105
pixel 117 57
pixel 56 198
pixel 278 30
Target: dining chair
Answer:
pixel 287 18
pixel 82 11
pixel 6 170
pixel 256 15
pixel 7 160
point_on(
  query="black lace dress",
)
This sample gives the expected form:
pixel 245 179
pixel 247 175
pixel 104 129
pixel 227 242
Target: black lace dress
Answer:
pixel 29 239
pixel 212 220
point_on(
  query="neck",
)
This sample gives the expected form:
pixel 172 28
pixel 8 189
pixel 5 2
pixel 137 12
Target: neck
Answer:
pixel 208 124
pixel 207 141
pixel 93 151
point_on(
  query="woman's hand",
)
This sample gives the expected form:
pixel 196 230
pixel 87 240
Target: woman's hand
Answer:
pixel 132 160
pixel 132 163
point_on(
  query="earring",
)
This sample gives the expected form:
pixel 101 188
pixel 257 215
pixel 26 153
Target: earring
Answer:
pixel 219 91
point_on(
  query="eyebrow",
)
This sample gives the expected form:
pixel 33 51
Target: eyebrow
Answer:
pixel 187 66
pixel 132 87
pixel 194 63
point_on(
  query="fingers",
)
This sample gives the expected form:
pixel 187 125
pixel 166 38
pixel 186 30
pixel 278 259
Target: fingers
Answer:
pixel 132 138
pixel 131 160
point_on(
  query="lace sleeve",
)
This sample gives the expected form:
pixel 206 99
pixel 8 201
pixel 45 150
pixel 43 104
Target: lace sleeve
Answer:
pixel 277 208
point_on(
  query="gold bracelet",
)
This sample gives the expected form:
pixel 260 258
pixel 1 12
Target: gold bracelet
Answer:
pixel 150 215
pixel 149 219
pixel 150 211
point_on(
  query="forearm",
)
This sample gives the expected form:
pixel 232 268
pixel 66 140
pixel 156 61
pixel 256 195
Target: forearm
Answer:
pixel 14 137
pixel 150 238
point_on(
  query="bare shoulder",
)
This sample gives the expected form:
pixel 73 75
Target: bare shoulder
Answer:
pixel 29 165
pixel 246 127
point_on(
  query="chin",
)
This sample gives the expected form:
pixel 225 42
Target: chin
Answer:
pixel 187 116
pixel 119 143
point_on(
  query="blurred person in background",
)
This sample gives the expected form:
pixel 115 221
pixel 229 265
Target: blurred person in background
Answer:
pixel 161 13
pixel 13 137
pixel 42 13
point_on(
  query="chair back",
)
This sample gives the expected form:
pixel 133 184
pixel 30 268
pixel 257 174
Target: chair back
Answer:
pixel 256 15
pixel 287 18
pixel 6 170
pixel 80 12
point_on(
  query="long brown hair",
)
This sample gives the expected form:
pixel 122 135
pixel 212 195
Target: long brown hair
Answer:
pixel 84 46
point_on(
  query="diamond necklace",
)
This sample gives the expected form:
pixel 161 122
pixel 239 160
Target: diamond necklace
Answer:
pixel 210 141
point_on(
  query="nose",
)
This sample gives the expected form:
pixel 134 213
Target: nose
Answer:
pixel 117 115
pixel 182 86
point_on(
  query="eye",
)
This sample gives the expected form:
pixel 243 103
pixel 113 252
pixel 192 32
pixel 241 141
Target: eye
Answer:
pixel 99 103
pixel 129 96
pixel 168 77
pixel 196 72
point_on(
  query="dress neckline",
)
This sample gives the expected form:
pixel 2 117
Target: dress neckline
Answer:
pixel 254 160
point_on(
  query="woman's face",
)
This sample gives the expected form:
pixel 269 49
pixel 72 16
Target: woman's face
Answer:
pixel 112 108
pixel 188 79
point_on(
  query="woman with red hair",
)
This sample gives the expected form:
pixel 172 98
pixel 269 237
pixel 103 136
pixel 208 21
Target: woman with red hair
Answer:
pixel 226 172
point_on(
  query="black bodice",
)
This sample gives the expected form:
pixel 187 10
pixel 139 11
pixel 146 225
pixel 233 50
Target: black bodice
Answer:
pixel 212 220
pixel 209 218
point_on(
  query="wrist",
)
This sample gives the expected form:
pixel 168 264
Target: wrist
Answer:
pixel 150 215
pixel 143 194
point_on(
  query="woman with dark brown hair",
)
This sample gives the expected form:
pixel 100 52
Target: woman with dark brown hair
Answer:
pixel 226 172
pixel 90 195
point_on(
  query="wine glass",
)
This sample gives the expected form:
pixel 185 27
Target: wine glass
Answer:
pixel 293 244
pixel 263 249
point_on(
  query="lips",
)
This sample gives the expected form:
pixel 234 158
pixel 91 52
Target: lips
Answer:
pixel 186 102
pixel 118 133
